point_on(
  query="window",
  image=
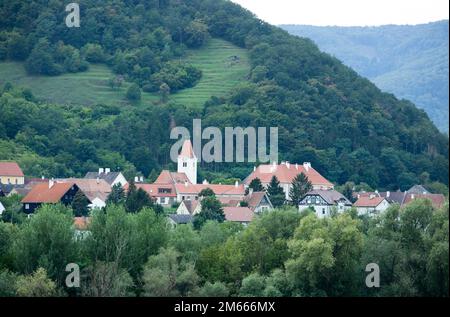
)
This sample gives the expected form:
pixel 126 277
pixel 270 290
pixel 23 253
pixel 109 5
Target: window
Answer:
pixel 184 164
pixel 323 211
pixel 164 190
pixel 27 206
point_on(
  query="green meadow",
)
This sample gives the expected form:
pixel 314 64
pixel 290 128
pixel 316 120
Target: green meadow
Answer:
pixel 223 65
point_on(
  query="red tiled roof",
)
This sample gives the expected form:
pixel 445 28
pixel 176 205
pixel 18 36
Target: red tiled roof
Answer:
pixel 10 169
pixel 41 193
pixel 167 177
pixel 254 199
pixel 229 201
pixel 368 201
pixel 153 189
pixel 285 173
pixel 81 223
pixel 238 214
pixel 187 150
pixel 217 189
pixel 437 200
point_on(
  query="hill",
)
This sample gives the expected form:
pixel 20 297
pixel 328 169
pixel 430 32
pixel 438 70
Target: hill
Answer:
pixel 326 113
pixel 410 61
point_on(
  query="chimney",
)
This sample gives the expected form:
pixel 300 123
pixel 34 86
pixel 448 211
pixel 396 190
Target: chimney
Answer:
pixel 254 168
pixel 186 184
pixel 296 166
pixel 42 177
pixel 205 182
pixel 250 191
pixel 98 180
pixel 288 165
pixel 236 184
pixel 388 194
pixel 141 179
pixel 307 166
pixel 372 196
pixel 107 170
pixel 136 179
pixel 101 170
pixel 51 183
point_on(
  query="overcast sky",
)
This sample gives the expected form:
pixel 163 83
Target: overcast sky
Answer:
pixel 348 12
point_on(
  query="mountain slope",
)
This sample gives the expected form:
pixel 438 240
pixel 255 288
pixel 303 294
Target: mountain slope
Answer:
pixel 326 113
pixel 409 61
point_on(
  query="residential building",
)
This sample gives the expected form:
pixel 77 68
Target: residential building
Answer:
pixel 11 173
pixel 51 193
pixel 437 200
pixel 371 205
pixel 176 219
pixel 189 207
pixel 112 178
pixel 96 190
pixel 418 189
pixel 163 194
pixel 189 191
pixel 325 202
pixel 286 172
pixel 258 202
pixel 243 215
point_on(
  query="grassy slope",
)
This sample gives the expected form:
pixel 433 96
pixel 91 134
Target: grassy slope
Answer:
pixel 91 87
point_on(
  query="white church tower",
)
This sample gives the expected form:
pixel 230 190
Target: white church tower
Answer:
pixel 187 162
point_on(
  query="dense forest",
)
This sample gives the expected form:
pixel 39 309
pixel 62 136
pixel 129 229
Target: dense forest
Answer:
pixel 326 113
pixel 281 253
pixel 410 61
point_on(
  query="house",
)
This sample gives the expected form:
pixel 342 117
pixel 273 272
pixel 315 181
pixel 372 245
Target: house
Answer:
pixel 6 189
pixel 177 219
pixel 112 178
pixel 418 189
pixel 189 191
pixel 11 173
pixel 163 194
pixel 286 172
pixel 51 193
pixel 258 202
pixel 167 177
pixel 325 202
pixel 189 207
pixel 437 200
pixel 243 215
pixel 96 190
pixel 2 208
pixel 371 205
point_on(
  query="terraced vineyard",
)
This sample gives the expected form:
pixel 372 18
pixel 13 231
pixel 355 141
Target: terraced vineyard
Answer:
pixel 223 65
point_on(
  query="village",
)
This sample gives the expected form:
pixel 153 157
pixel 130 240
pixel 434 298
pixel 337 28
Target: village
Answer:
pixel 180 191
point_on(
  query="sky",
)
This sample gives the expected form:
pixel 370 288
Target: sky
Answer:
pixel 348 12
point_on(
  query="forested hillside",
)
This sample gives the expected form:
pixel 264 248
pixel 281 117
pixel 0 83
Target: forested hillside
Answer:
pixel 410 61
pixel 326 113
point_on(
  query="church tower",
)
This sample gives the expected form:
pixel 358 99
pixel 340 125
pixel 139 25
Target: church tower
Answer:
pixel 187 162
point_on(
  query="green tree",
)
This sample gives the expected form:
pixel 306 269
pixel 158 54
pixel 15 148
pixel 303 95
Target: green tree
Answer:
pixel 256 185
pixel 216 289
pixel 299 188
pixel 211 210
pixel 134 93
pixel 37 284
pixel 207 192
pixel 117 195
pixel 166 276
pixel 80 205
pixel 253 286
pixel 164 92
pixel 7 283
pixel 275 192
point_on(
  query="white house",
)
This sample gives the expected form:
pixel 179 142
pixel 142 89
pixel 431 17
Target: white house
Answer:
pixel 324 202
pixel 371 205
pixel 112 178
pixel 189 207
pixel 285 173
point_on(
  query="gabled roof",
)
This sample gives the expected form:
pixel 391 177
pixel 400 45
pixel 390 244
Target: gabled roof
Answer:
pixel 41 193
pixel 181 219
pixel 167 177
pixel 331 197
pixel 190 205
pixel 154 189
pixel 229 201
pixel 254 199
pixel 10 169
pixel 369 201
pixel 92 188
pixel 195 189
pixel 417 189
pixel 437 200
pixel 109 177
pixel 238 214
pixel 286 173
pixel 187 150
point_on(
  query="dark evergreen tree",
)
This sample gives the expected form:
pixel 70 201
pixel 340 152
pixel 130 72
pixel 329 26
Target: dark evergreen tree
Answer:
pixel 256 185
pixel 300 186
pixel 117 195
pixel 275 192
pixel 211 210
pixel 80 205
